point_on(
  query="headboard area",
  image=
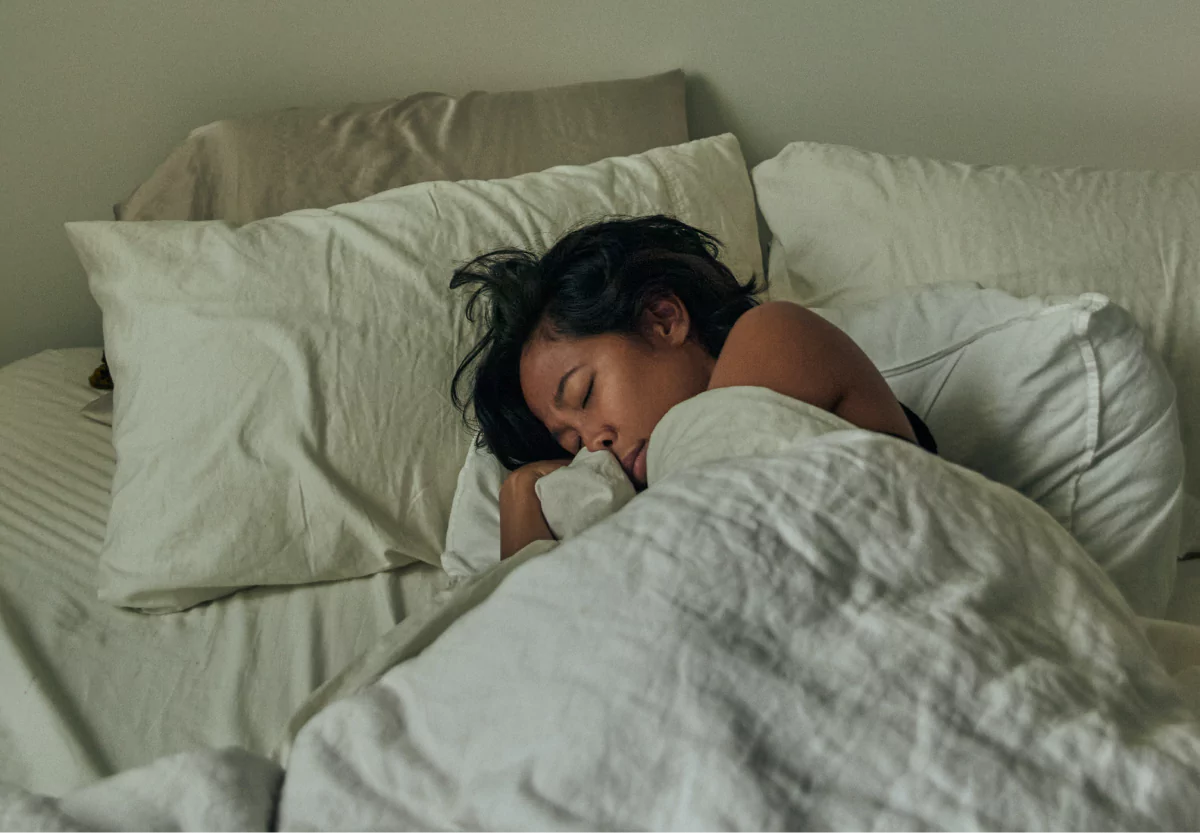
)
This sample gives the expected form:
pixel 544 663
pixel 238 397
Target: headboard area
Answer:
pixel 95 96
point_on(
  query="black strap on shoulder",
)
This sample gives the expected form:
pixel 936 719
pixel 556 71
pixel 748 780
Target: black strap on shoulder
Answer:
pixel 924 435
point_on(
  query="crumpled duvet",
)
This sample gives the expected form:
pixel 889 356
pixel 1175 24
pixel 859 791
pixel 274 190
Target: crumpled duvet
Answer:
pixel 834 631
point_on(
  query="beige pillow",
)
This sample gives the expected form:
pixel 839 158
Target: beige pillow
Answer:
pixel 265 165
pixel 282 409
pixel 851 225
pixel 268 164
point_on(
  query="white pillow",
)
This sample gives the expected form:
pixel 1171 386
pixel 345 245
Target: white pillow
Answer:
pixel 99 409
pixel 473 533
pixel 1061 401
pixel 849 225
pixel 282 411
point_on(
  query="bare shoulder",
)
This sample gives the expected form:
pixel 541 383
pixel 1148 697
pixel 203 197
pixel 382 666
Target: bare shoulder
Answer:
pixel 793 351
pixel 777 310
pixel 785 347
pixel 775 320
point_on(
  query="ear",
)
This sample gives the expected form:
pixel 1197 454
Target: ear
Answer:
pixel 665 321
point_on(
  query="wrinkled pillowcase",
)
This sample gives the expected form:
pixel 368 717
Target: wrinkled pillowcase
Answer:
pixel 281 411
pixel 271 163
pixel 268 164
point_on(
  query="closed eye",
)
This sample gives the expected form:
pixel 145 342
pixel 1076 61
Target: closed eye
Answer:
pixel 588 395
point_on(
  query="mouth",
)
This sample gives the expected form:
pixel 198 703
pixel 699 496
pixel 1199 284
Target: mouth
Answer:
pixel 634 463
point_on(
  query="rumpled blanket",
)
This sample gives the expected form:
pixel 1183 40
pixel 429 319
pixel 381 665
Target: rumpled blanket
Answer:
pixel 819 628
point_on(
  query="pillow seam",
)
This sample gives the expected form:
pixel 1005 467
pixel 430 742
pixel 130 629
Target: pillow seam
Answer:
pixel 1087 354
pixel 941 353
pixel 671 185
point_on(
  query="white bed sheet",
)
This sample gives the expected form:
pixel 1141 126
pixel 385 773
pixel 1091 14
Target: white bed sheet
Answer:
pixel 1185 602
pixel 87 689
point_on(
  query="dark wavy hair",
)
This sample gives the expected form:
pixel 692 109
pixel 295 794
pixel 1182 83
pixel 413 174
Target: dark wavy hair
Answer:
pixel 597 279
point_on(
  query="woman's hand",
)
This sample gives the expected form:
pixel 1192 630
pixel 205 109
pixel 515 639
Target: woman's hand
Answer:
pixel 521 519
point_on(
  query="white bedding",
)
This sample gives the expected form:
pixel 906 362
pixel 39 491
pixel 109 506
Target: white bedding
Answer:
pixel 1185 602
pixel 87 689
pixel 849 633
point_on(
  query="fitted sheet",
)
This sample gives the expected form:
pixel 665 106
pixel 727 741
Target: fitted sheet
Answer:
pixel 87 689
pixel 1185 601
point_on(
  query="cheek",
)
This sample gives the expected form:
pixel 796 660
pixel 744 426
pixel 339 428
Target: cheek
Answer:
pixel 646 395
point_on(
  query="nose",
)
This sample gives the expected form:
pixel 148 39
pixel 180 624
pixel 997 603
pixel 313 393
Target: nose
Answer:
pixel 601 439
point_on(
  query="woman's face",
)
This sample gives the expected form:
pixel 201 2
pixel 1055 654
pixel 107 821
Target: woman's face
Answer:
pixel 609 391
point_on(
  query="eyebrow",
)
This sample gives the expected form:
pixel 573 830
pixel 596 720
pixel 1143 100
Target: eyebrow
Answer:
pixel 562 386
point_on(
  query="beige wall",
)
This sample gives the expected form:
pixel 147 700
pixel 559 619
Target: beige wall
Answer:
pixel 93 95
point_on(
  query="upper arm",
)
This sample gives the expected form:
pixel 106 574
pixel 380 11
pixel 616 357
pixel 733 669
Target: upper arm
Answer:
pixel 793 351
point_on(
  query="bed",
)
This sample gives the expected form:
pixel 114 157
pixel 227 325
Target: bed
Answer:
pixel 332 644
pixel 90 689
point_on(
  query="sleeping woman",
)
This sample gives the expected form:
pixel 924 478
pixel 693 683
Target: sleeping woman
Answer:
pixel 589 345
